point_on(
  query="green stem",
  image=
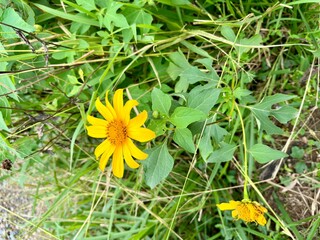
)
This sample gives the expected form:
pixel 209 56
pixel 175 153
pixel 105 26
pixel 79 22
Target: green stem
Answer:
pixel 245 162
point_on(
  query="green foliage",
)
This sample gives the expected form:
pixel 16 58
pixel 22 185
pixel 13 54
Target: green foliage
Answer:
pixel 224 154
pixel 263 110
pixel 183 116
pixel 160 102
pixel 183 137
pixel 158 166
pixel 225 85
pixel 264 154
pixel 297 152
pixel 11 17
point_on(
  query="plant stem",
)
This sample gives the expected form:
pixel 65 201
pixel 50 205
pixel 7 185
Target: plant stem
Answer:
pixel 245 162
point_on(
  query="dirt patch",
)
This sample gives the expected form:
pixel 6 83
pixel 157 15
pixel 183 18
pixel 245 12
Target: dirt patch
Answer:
pixel 16 209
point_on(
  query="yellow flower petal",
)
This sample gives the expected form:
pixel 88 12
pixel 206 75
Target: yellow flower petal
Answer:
pixel 109 106
pixel 103 147
pixel 105 158
pixel 127 109
pixel 117 163
pixel 118 102
pixel 97 131
pixel 235 214
pixel 138 121
pixel 228 206
pixel 261 220
pixel 104 111
pixel 141 134
pixel 250 213
pixel 127 157
pixel 96 121
pixel 260 208
pixel 134 151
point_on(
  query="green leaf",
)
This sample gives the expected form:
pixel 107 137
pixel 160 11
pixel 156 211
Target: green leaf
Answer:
pixel 25 10
pixel 228 33
pixel 160 101
pixel 316 53
pixel 3 125
pixel 61 54
pixel 183 137
pixel 183 116
pixel 254 41
pixel 72 79
pixel 224 154
pixel 284 113
pixel 203 98
pixel 176 2
pixel 314 229
pixel 72 17
pixel 297 152
pixel 300 167
pixel 158 126
pixel 158 165
pixel 181 86
pixel 195 49
pixel 6 111
pixel 264 123
pixel 6 85
pixel 177 65
pixel 212 131
pixel 205 145
pixel 75 134
pixel 263 110
pixel 18 57
pixel 208 63
pixel 217 132
pixel 267 102
pixel 194 75
pixel 3 50
pixel 75 90
pixel 241 92
pixel 6 148
pixel 180 67
pixel 89 5
pixel 11 17
pixel 179 60
pixel 263 154
pixel 138 17
pixel 112 18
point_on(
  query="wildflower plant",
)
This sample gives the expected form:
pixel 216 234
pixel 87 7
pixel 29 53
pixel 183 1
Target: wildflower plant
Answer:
pixel 184 102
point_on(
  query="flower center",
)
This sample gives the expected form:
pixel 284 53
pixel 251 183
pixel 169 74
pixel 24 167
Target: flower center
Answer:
pixel 116 132
pixel 244 212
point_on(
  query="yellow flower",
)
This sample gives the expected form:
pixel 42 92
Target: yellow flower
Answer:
pixel 119 130
pixel 246 210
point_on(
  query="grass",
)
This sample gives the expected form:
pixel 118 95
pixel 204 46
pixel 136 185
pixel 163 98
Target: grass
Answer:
pixel 231 89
